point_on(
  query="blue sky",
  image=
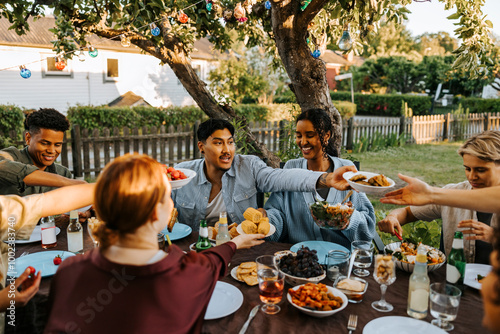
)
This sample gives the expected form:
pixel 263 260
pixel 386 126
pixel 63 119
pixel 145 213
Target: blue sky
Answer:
pixel 431 17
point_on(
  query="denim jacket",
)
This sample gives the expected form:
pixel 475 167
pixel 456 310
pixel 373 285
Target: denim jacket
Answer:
pixel 248 175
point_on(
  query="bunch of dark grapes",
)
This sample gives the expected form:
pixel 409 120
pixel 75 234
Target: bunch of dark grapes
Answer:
pixel 305 264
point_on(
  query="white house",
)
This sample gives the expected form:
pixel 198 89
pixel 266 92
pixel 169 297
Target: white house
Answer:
pixel 95 81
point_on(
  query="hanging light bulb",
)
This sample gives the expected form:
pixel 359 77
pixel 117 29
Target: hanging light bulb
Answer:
pixel 60 63
pixel 209 5
pixel 267 4
pixel 345 42
pixel 81 55
pixel 316 53
pixel 125 42
pixel 25 73
pixel 93 52
pixel 155 31
pixel 183 18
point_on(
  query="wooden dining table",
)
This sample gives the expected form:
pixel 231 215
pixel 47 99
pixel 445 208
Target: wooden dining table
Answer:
pixel 289 319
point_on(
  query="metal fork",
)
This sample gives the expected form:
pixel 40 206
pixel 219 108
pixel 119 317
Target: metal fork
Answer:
pixel 352 323
pixel 24 254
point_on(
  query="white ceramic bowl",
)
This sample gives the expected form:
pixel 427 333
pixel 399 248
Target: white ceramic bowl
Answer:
pixel 294 280
pixel 408 267
pixel 321 314
pixel 364 188
pixel 180 183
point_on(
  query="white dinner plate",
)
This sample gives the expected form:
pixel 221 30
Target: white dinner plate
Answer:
pixel 226 299
pixel 471 272
pixel 400 325
pixel 36 236
pixel 40 261
pixel 271 230
pixel 178 232
pixel 373 190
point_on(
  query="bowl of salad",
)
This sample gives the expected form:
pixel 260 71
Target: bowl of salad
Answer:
pixel 331 216
pixel 406 253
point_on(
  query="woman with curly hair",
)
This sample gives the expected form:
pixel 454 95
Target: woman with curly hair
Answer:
pixel 289 211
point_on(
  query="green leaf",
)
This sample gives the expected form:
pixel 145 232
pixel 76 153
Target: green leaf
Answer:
pixel 488 23
pixel 455 16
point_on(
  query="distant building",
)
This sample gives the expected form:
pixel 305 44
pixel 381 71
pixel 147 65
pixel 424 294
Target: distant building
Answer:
pixel 335 62
pixel 116 72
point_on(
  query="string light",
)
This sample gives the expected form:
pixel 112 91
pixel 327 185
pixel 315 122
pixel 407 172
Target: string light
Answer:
pixel 25 73
pixel 345 42
pixel 155 31
pixel 267 4
pixel 93 52
pixel 209 5
pixel 60 63
pixel 81 55
pixel 183 18
pixel 125 41
pixel 316 53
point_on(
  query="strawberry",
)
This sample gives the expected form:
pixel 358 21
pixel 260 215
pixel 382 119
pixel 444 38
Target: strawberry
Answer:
pixel 57 260
pixel 32 270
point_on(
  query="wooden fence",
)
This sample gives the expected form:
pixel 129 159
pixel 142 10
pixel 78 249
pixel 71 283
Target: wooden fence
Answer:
pixel 86 152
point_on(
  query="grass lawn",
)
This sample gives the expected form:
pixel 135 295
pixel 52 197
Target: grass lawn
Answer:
pixel 437 164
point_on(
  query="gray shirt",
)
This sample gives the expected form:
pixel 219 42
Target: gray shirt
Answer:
pixel 12 173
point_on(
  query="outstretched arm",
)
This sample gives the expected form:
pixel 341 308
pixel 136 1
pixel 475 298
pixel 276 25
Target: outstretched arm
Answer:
pixel 67 198
pixel 335 179
pixel 41 178
pixel 420 193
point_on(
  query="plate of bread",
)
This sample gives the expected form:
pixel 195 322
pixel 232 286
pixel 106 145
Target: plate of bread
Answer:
pixel 255 223
pixel 246 272
pixel 214 230
pixel 369 183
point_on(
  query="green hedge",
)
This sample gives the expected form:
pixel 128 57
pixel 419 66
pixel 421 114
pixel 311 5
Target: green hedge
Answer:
pixel 385 104
pixel 252 112
pixel 478 105
pixel 11 118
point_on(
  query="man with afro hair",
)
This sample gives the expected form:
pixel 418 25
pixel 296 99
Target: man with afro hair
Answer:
pixel 32 170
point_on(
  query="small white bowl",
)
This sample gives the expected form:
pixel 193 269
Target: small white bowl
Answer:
pixel 321 314
pixel 364 188
pixel 180 183
pixel 408 267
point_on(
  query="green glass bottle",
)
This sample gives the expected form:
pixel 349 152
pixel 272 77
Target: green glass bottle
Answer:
pixel 203 242
pixel 455 268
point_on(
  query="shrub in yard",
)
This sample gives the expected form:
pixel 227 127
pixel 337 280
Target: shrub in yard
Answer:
pixel 11 119
pixel 478 105
pixel 252 112
pixel 385 104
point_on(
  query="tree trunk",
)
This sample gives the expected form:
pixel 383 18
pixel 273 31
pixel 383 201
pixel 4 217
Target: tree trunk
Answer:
pixel 307 74
pixel 174 55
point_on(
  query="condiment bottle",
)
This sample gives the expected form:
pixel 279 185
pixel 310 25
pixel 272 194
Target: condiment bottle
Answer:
pixel 223 234
pixel 455 268
pixel 75 233
pixel 418 291
pixel 203 242
pixel 49 235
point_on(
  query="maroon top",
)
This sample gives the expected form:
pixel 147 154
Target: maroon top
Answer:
pixel 90 294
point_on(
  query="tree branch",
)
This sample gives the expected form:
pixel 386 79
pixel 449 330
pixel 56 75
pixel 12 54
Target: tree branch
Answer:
pixel 310 13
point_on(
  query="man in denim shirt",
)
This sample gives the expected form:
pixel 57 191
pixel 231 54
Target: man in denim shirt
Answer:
pixel 229 182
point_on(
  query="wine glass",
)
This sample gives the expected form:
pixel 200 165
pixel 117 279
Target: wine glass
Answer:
pixel 271 283
pixel 363 257
pixel 385 274
pixel 445 299
pixel 92 225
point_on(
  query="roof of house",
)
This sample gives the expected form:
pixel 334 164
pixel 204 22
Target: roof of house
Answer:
pixel 128 99
pixel 334 57
pixel 40 36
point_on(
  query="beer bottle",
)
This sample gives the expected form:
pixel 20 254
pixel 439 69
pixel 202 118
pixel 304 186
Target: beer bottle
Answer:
pixel 75 233
pixel 455 268
pixel 223 234
pixel 203 242
pixel 418 291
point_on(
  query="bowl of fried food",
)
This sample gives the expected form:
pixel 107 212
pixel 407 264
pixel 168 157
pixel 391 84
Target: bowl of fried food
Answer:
pixel 405 254
pixel 369 183
pixel 246 272
pixel 331 216
pixel 317 300
pixel 301 267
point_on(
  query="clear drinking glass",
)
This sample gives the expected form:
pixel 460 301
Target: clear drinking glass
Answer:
pixel 385 274
pixel 271 284
pixel 92 225
pixel 363 257
pixel 444 300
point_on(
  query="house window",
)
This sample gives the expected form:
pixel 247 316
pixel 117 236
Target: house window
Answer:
pixel 112 73
pixel 49 67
